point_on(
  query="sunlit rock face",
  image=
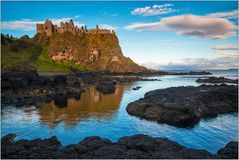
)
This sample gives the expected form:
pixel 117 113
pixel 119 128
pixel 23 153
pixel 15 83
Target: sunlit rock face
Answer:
pixel 92 104
pixel 95 52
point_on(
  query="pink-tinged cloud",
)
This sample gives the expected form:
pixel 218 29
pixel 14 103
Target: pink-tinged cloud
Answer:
pixel 227 49
pixel 192 25
pixel 228 53
pixel 230 15
pixel 197 64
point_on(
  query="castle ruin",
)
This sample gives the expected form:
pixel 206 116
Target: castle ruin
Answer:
pixel 48 28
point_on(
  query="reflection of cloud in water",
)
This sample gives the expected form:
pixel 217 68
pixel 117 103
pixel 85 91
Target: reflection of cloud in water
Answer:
pixel 92 104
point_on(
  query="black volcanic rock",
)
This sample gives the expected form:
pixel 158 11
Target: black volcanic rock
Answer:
pixel 106 87
pixel 60 100
pixel 228 152
pixel 184 106
pixel 129 147
pixel 216 80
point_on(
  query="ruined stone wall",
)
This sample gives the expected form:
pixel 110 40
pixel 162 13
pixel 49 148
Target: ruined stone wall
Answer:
pixel 49 28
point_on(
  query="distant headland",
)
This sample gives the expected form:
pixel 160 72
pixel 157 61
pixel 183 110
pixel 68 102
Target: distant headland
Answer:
pixel 48 27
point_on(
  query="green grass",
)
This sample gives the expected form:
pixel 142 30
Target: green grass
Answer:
pixel 11 59
pixel 36 57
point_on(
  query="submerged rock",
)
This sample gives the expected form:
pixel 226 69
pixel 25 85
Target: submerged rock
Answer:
pixel 129 147
pixel 184 106
pixel 216 80
pixel 137 88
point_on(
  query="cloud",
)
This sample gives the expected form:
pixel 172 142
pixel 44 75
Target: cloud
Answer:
pixel 192 25
pixel 227 49
pixel 107 26
pixel 229 15
pixel 154 10
pixel 24 24
pixel 30 25
pixel 197 64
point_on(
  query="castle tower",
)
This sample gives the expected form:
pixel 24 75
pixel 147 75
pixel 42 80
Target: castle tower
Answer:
pixel 63 27
pixel 71 27
pixel 40 28
pixel 48 27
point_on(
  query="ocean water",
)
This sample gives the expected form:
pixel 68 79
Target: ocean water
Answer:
pixel 106 116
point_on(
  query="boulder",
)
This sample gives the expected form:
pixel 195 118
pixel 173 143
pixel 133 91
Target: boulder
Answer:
pixel 106 87
pixel 230 151
pixel 60 100
pixel 137 88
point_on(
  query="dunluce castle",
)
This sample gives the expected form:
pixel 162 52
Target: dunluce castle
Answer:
pixel 49 28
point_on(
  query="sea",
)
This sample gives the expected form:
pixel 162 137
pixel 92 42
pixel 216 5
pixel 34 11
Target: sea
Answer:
pixel 96 114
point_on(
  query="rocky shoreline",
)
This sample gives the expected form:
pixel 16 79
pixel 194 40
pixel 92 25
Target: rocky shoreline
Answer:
pixel 185 106
pixel 27 87
pixel 129 147
pixel 217 80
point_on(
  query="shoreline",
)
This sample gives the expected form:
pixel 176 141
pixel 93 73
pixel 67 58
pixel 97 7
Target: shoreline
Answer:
pixel 94 147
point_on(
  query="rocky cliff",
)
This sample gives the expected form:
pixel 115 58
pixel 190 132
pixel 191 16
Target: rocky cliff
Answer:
pixel 92 52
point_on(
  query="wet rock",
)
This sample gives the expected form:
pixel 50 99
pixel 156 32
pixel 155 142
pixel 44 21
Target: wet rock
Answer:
pixel 137 88
pixel 94 142
pixel 77 84
pixel 110 152
pixel 184 106
pixel 77 96
pixel 106 87
pixel 8 137
pixel 141 142
pixel 6 85
pixel 216 80
pixel 60 80
pixel 48 98
pixel 230 151
pixel 129 147
pixel 60 100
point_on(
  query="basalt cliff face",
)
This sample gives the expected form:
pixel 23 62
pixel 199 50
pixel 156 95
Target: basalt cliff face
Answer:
pixel 92 50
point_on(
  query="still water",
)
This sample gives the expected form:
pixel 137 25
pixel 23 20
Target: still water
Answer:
pixel 106 116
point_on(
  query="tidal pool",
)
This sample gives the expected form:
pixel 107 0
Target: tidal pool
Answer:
pixel 106 116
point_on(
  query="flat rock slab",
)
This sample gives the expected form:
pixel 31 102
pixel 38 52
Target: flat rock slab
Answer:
pixel 217 80
pixel 129 147
pixel 184 106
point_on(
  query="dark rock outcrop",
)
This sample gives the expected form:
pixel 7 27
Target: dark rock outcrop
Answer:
pixel 106 87
pixel 228 152
pixel 137 88
pixel 129 147
pixel 60 80
pixel 217 80
pixel 184 106
pixel 183 73
pixel 60 100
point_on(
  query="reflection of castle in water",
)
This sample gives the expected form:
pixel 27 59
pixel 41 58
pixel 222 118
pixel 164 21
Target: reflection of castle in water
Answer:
pixel 91 105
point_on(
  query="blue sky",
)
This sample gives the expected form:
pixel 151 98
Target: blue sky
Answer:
pixel 161 35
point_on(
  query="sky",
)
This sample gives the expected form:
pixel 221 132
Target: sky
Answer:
pixel 164 35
